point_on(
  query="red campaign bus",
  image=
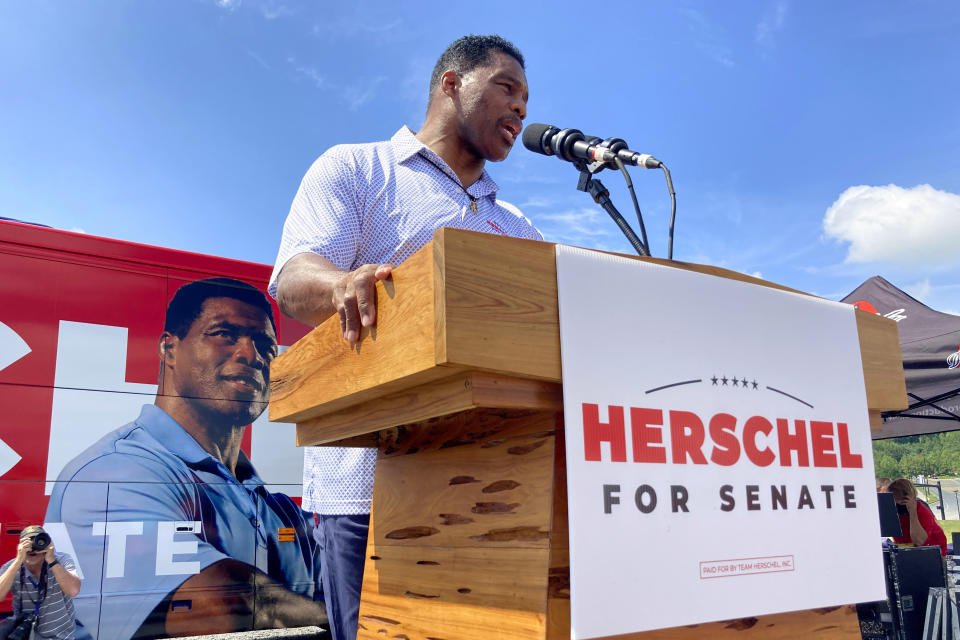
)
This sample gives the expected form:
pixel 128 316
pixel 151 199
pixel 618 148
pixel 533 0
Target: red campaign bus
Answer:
pixel 80 321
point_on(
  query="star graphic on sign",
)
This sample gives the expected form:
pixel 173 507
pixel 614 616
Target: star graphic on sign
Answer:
pixel 744 383
pixel 735 381
pixel 724 380
pixel 714 380
pixel 754 383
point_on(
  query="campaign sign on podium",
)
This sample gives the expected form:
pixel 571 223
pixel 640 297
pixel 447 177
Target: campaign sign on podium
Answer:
pixel 719 460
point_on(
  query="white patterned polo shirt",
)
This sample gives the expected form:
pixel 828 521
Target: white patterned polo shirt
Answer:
pixel 370 204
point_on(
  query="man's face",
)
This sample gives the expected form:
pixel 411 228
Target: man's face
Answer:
pixel 492 105
pixel 34 559
pixel 222 366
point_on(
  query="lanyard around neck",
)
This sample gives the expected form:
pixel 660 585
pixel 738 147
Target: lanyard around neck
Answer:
pixel 456 181
pixel 36 586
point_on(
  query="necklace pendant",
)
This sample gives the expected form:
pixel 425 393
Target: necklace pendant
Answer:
pixel 473 205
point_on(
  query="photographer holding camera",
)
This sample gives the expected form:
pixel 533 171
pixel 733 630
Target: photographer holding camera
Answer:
pixel 43 583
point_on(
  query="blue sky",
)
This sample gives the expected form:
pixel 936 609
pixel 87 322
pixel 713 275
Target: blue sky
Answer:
pixel 812 143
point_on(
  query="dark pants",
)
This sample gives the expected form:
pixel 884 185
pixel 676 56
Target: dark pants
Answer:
pixel 343 546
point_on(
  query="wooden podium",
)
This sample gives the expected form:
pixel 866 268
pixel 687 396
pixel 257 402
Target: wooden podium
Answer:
pixel 459 385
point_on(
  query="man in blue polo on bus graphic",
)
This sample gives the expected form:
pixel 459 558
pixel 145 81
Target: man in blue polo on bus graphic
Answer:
pixel 173 529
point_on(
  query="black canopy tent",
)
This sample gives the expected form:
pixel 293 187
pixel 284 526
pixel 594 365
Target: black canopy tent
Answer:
pixel 930 346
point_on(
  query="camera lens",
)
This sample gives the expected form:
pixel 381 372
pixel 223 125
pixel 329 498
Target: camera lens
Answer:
pixel 41 541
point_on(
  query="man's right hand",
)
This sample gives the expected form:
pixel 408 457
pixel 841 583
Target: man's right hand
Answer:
pixel 25 546
pixel 310 289
pixel 8 576
pixel 354 297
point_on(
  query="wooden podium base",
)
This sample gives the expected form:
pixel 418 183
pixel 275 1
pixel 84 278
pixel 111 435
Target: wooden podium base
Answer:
pixel 468 537
pixel 461 529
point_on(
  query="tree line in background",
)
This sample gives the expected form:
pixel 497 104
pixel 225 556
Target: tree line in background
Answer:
pixel 928 455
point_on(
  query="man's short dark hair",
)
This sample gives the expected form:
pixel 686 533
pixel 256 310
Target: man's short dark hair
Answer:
pixel 469 52
pixel 188 301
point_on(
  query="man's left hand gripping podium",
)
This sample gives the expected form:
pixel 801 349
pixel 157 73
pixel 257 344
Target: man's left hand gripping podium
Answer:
pixel 459 386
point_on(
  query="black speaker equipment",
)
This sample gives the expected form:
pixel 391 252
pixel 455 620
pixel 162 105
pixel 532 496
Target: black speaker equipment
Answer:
pixel 910 572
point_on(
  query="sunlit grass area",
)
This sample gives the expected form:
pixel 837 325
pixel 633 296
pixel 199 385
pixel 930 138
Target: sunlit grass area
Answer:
pixel 949 526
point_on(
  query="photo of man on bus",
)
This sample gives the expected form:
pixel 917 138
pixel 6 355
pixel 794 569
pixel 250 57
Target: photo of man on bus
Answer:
pixel 173 529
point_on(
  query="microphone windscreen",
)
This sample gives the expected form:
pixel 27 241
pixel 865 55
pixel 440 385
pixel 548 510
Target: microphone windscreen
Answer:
pixel 533 137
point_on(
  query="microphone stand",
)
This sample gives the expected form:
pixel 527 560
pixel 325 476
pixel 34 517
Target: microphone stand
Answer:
pixel 601 196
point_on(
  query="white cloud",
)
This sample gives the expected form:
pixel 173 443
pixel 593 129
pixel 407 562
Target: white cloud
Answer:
pixel 919 290
pixel 351 27
pixel 708 37
pixel 936 295
pixel 583 227
pixel 536 201
pixel 415 83
pixel 722 263
pixel 361 93
pixel 263 63
pixel 354 96
pixel 583 222
pixel 318 80
pixel 271 10
pixel 772 21
pixel 411 87
pixel 532 179
pixel 914 228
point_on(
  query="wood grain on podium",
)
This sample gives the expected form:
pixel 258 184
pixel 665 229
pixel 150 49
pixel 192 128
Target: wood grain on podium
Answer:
pixel 459 545
pixel 459 392
pixel 828 623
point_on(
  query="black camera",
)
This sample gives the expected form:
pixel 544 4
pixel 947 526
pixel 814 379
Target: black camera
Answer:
pixel 40 541
pixel 24 627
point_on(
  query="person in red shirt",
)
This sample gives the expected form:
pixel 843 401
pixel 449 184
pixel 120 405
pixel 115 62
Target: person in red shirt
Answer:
pixel 919 526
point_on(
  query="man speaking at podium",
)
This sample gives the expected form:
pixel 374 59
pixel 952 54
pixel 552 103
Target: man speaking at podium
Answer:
pixel 363 208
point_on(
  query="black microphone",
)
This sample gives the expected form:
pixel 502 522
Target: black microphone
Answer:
pixel 571 145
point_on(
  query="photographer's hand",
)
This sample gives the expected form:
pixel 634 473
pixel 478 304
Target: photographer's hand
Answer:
pixel 69 582
pixel 23 549
pixel 6 580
